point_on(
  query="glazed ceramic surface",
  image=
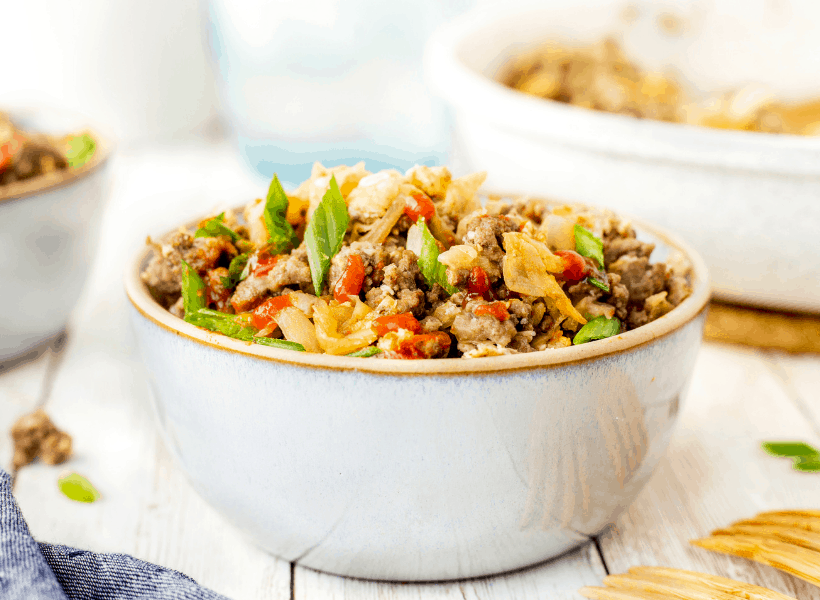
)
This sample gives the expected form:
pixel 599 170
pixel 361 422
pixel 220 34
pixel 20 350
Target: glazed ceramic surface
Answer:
pixel 749 202
pixel 47 239
pixel 418 470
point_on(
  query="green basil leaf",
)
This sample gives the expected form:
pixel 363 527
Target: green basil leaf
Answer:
pixel 284 344
pixel 227 325
pixel 77 488
pixel 216 227
pixel 193 290
pixel 586 244
pixel 281 236
pixel 80 150
pixel 236 271
pixel 597 329
pixel 789 449
pixel 432 270
pixel 598 284
pixel 325 233
pixel 366 352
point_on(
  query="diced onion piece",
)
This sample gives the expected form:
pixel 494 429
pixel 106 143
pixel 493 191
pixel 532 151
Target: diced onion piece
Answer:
pixel 462 256
pixel 460 199
pixel 256 223
pixel 528 267
pixel 373 196
pixel 595 309
pixel 382 228
pixel 304 302
pixel 296 327
pixel 331 341
pixel 559 232
pixel 414 240
pixel 356 320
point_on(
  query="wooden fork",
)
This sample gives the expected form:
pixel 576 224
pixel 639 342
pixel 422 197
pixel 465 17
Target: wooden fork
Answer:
pixel 786 540
pixel 656 583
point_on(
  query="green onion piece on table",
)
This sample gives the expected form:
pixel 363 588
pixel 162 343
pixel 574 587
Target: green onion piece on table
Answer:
pixel 76 487
pixel 805 457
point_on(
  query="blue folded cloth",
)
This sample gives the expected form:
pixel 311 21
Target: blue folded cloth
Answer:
pixel 37 571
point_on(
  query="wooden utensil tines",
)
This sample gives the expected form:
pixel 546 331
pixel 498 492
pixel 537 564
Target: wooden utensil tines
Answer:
pixel 657 583
pixel 788 540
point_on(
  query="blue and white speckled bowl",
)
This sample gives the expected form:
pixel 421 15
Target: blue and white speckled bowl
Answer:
pixel 419 470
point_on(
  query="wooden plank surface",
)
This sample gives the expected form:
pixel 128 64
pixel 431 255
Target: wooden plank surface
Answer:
pixel 555 580
pixel 715 471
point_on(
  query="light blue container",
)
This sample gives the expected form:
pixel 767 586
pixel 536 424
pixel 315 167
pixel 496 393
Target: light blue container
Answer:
pixel 336 81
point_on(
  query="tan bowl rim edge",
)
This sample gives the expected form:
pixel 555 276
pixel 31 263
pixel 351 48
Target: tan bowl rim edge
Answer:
pixel 685 312
pixel 60 179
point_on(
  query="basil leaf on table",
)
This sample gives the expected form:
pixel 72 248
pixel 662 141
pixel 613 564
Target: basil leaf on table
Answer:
pixel 366 352
pixel 429 265
pixel 281 236
pixel 80 149
pixel 236 271
pixel 216 227
pixel 597 329
pixel 325 233
pixel 586 244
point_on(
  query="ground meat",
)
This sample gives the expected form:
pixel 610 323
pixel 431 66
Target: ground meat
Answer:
pixel 217 294
pixel 618 295
pixel 34 435
pixel 36 158
pixel 679 289
pixel 640 278
pixel 616 247
pixel 486 234
pixel 291 271
pixel 471 329
pixel 522 341
pixel 163 275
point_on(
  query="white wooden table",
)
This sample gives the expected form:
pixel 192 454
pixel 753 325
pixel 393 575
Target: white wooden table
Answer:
pixel 95 388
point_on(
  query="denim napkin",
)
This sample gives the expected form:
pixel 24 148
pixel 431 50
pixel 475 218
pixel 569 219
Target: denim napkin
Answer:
pixel 37 571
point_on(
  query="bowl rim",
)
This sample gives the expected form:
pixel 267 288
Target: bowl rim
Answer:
pixel 472 91
pixel 691 308
pixel 56 180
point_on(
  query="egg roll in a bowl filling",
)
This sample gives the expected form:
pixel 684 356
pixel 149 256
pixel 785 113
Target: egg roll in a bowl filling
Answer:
pixel 411 266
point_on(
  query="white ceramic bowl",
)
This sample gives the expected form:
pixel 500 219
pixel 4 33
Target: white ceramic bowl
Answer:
pixel 48 234
pixel 419 470
pixel 749 202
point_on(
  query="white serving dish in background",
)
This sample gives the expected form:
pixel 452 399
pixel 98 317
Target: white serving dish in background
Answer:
pixel 419 469
pixel 749 202
pixel 48 235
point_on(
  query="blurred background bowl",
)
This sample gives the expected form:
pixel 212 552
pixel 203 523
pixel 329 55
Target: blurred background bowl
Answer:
pixel 48 235
pixel 749 202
